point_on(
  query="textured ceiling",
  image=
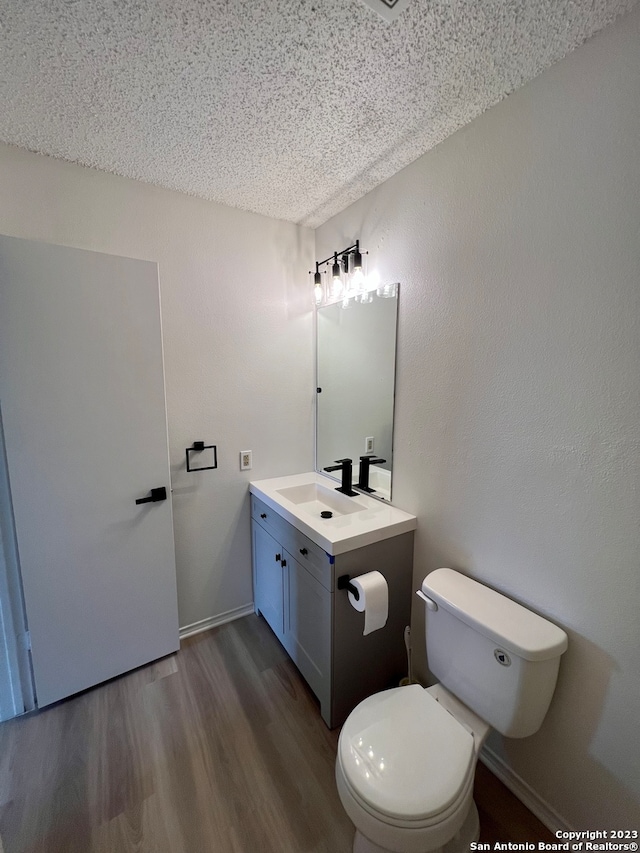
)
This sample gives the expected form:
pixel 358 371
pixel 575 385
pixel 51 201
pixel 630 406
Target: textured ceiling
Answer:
pixel 290 108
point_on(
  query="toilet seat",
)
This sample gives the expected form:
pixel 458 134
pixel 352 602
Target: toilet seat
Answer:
pixel 405 759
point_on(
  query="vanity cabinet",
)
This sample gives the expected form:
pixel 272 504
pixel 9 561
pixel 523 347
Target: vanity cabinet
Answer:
pixel 295 590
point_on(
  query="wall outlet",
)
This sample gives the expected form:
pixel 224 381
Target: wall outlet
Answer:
pixel 368 444
pixel 245 460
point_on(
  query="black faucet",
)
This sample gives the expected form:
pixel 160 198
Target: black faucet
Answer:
pixel 363 481
pixel 344 465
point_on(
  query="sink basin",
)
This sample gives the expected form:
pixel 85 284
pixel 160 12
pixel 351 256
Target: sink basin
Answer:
pixel 314 498
pixel 301 498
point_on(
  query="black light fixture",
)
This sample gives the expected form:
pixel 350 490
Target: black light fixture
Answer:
pixel 340 263
pixel 343 263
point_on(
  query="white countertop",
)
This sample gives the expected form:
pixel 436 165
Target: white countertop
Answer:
pixel 372 521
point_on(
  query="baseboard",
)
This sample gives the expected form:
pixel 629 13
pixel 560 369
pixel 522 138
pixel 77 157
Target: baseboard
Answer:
pixel 524 792
pixel 214 621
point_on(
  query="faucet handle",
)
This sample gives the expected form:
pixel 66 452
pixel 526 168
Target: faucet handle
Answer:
pixel 342 461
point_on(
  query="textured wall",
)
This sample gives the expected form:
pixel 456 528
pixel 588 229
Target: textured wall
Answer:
pixel 237 344
pixel 518 393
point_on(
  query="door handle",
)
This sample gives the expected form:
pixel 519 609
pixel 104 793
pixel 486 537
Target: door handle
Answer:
pixel 156 495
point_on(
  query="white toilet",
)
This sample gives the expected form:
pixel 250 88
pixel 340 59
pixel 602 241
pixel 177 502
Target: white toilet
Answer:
pixel 407 756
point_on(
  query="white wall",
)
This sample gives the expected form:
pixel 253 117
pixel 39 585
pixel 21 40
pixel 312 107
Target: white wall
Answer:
pixel 237 342
pixel 517 442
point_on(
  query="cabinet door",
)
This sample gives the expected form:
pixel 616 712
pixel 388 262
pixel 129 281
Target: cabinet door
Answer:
pixel 268 586
pixel 308 628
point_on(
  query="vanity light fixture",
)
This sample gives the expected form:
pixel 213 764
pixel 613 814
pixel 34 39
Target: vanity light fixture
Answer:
pixel 348 280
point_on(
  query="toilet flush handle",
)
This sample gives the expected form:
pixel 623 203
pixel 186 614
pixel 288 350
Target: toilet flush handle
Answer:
pixel 431 604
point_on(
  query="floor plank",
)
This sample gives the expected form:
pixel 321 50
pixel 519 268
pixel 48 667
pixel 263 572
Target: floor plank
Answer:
pixel 219 748
pixel 502 816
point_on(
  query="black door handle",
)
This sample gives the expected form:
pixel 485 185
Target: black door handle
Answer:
pixel 156 495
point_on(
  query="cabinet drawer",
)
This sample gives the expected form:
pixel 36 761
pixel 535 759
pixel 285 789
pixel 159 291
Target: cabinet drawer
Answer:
pixel 267 518
pixel 316 561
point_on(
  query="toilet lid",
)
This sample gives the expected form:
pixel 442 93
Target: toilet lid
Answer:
pixel 404 754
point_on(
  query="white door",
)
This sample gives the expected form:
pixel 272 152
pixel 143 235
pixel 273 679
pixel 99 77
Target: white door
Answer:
pixel 83 407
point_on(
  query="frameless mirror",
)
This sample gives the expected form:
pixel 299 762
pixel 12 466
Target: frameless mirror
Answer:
pixel 356 363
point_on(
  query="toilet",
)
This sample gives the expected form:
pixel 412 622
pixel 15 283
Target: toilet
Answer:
pixel 407 756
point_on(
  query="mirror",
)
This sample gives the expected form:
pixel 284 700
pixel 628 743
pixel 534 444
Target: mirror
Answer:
pixel 356 361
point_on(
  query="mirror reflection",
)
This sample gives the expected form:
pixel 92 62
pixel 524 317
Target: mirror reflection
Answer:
pixel 356 361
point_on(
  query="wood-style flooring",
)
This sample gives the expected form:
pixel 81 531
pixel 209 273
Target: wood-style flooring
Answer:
pixel 218 749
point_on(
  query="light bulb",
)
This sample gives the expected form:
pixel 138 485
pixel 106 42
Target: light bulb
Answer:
pixel 357 279
pixel 317 286
pixel 357 258
pixel 336 279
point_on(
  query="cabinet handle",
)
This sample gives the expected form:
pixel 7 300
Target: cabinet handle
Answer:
pixel 304 552
pixel 263 515
pixel 277 558
pixel 283 563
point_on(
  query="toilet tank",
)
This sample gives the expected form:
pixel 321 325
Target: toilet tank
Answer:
pixel 496 656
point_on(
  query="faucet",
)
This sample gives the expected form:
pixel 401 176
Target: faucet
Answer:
pixel 344 465
pixel 363 481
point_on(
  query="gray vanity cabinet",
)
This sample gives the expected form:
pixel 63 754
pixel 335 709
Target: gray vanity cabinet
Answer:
pixel 295 590
pixel 293 593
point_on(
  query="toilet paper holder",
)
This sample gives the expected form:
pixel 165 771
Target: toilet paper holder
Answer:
pixel 344 582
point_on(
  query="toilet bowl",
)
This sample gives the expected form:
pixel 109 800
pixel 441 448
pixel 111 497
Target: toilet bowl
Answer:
pixel 405 770
pixel 406 757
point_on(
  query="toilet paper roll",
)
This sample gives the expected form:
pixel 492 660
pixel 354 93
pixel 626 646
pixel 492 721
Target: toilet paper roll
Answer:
pixel 374 600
